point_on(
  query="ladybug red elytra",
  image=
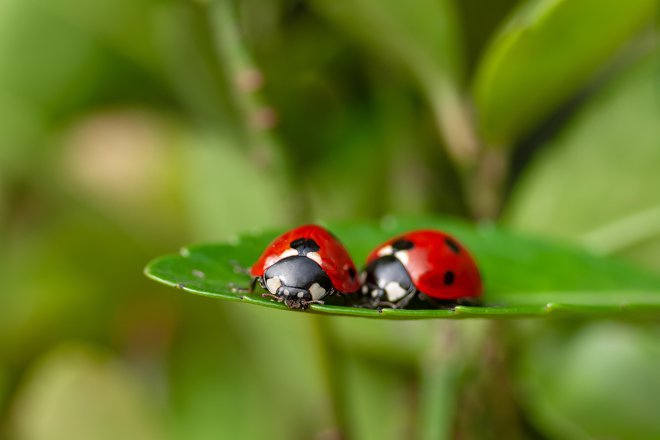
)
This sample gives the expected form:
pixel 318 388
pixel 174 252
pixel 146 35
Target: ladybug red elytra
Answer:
pixel 303 266
pixel 425 264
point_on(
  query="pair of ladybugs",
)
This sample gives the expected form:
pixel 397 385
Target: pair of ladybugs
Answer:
pixel 308 264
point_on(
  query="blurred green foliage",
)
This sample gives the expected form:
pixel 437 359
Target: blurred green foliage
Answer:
pixel 130 128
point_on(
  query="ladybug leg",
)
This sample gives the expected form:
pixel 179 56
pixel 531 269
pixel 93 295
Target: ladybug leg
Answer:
pixel 403 302
pixel 235 288
pixel 385 304
pixel 334 298
pixel 440 304
pixel 272 296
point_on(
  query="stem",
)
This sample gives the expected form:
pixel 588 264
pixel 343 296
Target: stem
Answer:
pixel 259 119
pixel 485 187
pixel 483 170
pixel 455 125
pixel 439 384
pixel 329 355
pixel 246 81
pixel 488 395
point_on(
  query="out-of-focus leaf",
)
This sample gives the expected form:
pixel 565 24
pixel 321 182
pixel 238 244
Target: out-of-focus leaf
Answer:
pixel 602 382
pixel 76 393
pixel 377 400
pixel 215 162
pixel 424 37
pixel 599 179
pixel 123 25
pixel 26 94
pixel 421 34
pixel 546 51
pixel 523 276
pixel 54 65
pixel 255 362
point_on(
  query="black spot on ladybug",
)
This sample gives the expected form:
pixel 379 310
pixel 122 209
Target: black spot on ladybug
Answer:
pixel 351 272
pixel 304 246
pixel 449 278
pixel 403 245
pixel 452 245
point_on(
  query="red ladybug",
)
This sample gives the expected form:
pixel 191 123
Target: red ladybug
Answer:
pixel 427 264
pixel 303 266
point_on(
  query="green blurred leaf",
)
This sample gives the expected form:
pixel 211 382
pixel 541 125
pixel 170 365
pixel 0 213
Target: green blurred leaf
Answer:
pixel 523 276
pixel 424 37
pixel 377 399
pixel 421 34
pixel 122 25
pixel 215 161
pixel 599 181
pixel 545 52
pixel 231 363
pixel 599 382
pixel 75 392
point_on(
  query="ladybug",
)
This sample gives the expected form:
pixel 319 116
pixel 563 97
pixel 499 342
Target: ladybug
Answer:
pixel 303 266
pixel 428 265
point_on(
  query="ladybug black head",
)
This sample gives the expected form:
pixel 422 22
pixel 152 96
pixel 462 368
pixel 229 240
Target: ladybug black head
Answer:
pixel 296 281
pixel 387 280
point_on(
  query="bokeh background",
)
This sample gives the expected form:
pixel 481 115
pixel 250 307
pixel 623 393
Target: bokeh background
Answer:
pixel 129 128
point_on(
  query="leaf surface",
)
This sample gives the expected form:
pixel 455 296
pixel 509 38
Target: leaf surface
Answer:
pixel 523 276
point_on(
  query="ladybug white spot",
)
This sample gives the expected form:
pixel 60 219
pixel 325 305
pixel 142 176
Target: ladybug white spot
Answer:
pixel 288 253
pixel 365 289
pixel 316 291
pixel 286 292
pixel 270 261
pixel 394 291
pixel 272 284
pixel 402 256
pixel 301 294
pixel 315 256
pixel 387 250
pixel 374 293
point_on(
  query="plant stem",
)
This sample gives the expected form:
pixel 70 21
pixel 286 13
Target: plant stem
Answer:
pixel 259 119
pixel 329 355
pixel 439 384
pixel 455 125
pixel 485 186
pixel 246 81
pixel 487 393
pixel 483 169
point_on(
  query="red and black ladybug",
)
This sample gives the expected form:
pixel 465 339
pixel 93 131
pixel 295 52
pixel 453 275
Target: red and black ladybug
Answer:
pixel 303 266
pixel 425 264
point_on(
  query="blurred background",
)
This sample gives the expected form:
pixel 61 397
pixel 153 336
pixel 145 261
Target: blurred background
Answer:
pixel 130 128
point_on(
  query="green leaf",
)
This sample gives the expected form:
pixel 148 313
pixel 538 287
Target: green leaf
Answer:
pixel 569 380
pixel 545 52
pixel 423 35
pixel 523 276
pixel 597 181
pixel 74 390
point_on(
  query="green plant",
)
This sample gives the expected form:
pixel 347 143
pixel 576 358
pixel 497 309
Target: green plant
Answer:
pixel 131 127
